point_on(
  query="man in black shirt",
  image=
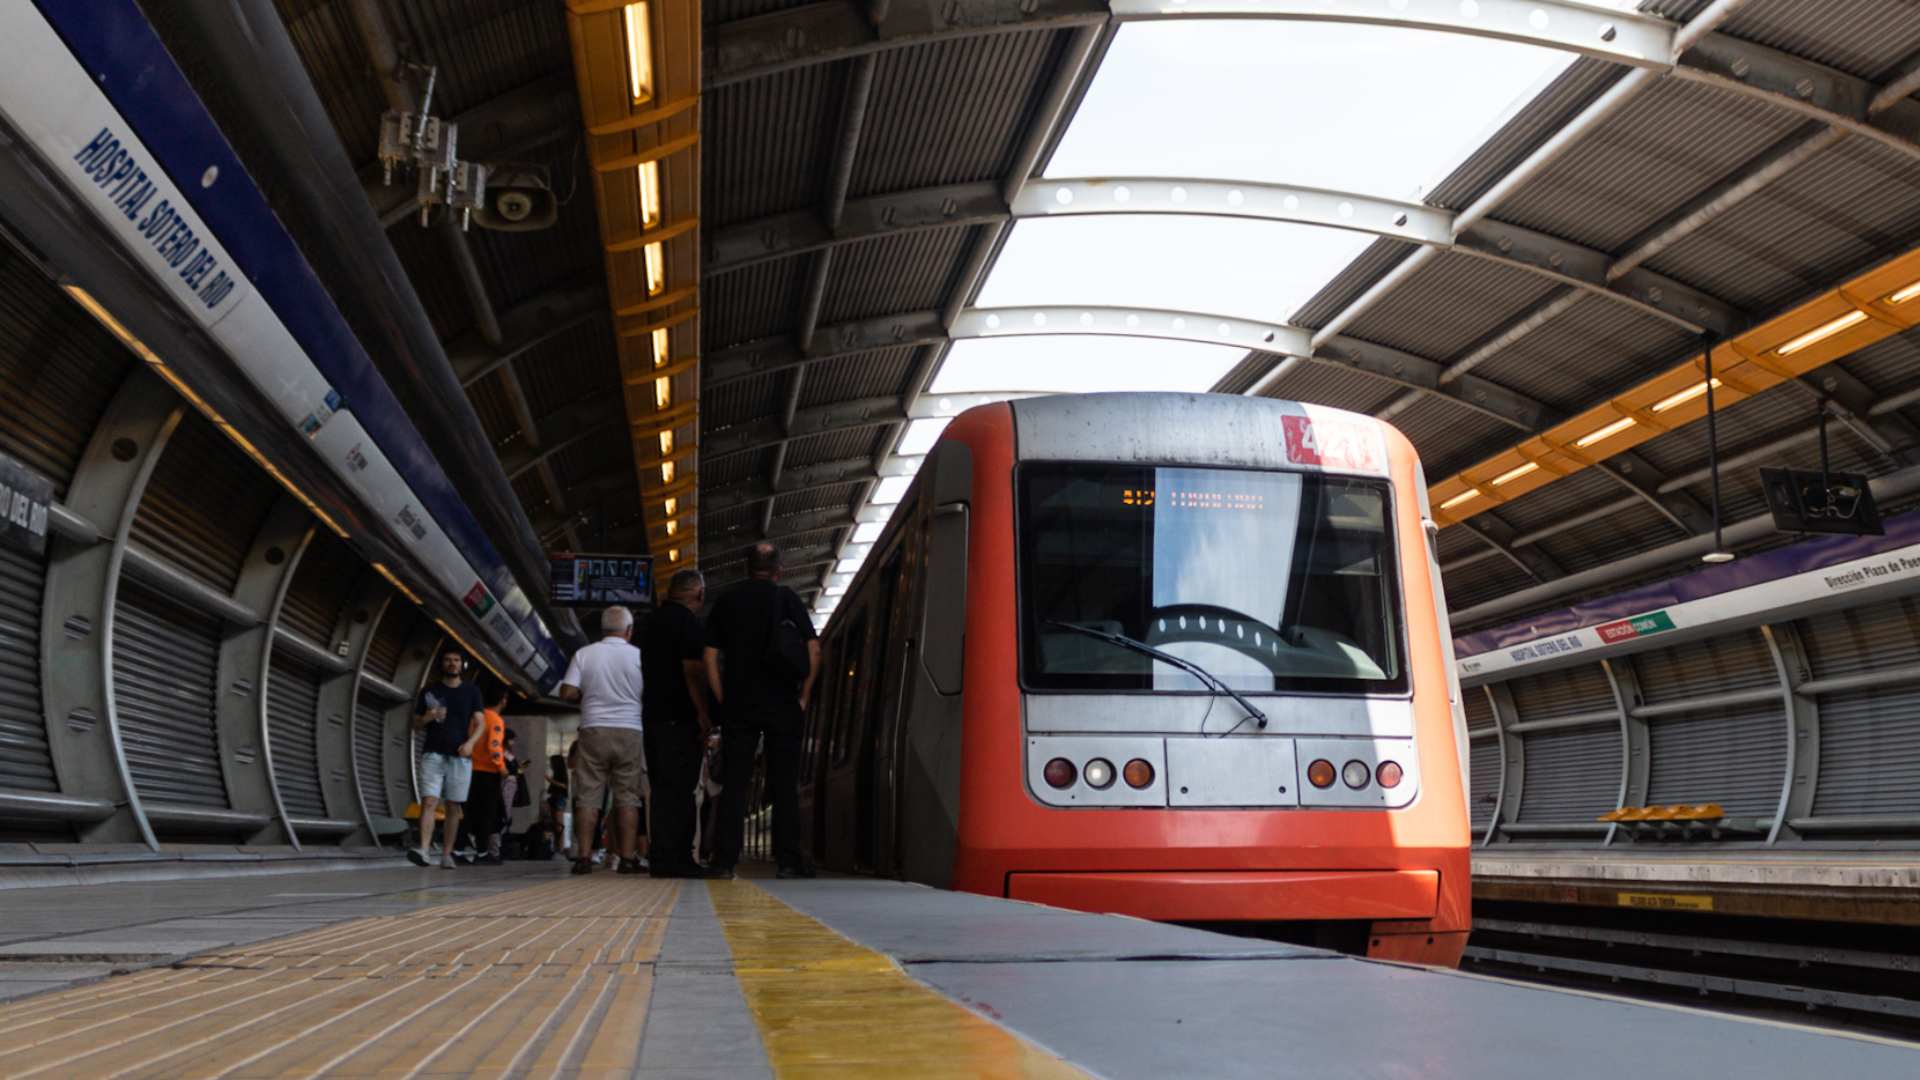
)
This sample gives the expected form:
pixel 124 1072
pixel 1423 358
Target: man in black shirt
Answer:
pixel 751 674
pixel 674 693
pixel 450 719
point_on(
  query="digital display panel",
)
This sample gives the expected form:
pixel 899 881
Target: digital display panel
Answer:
pixel 1175 498
pixel 581 580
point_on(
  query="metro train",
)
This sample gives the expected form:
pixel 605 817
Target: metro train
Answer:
pixel 1177 656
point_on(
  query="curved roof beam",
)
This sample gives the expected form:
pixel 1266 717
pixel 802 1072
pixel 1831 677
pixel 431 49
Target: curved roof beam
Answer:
pixel 1586 269
pixel 768 432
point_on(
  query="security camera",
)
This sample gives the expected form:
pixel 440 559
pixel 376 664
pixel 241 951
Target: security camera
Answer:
pixel 518 199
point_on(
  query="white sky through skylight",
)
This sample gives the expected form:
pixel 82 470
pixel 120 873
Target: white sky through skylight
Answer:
pixel 1081 363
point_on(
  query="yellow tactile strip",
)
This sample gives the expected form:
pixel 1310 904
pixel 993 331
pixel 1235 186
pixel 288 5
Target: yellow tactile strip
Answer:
pixel 529 982
pixel 827 1007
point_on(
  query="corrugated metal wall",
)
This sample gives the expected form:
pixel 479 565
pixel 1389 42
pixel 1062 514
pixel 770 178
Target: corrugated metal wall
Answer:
pixel 165 662
pixel 1483 760
pixel 1572 775
pixel 368 729
pixel 293 707
pixel 204 504
pixel 25 762
pixel 1869 739
pixel 321 586
pixel 1734 757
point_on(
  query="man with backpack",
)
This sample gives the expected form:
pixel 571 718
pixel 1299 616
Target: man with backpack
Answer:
pixel 761 658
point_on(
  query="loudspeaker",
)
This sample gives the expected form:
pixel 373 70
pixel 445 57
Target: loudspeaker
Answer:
pixel 518 200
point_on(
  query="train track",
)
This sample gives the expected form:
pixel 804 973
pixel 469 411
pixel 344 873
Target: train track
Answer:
pixel 1825 974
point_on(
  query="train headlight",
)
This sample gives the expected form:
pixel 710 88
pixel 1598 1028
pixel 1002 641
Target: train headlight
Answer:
pixel 1060 772
pixel 1320 773
pixel 1388 774
pixel 1098 773
pixel 1139 773
pixel 1355 774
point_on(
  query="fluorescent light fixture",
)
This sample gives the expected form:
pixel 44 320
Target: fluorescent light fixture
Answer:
pixel 1684 396
pixel 393 580
pixel 639 52
pixel 890 490
pixel 649 174
pixel 666 472
pixel 920 437
pixel 666 442
pixel 671 506
pixel 1822 332
pixel 673 526
pixel 1470 493
pixel 662 392
pixel 1075 363
pixel 660 347
pixel 673 556
pixel 848 566
pixel 1607 432
pixel 868 531
pixel 1231 267
pixel 1515 473
pixel 656 268
pixel 1904 295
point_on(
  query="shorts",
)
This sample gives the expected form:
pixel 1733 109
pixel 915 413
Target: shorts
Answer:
pixel 445 777
pixel 609 756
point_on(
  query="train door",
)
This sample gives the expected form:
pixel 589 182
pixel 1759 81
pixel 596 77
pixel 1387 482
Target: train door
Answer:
pixel 875 712
pixel 839 730
pixel 889 753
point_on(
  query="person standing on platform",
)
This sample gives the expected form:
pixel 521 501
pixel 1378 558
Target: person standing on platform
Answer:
pixel 761 658
pixel 451 719
pixel 484 803
pixel 605 679
pixel 677 721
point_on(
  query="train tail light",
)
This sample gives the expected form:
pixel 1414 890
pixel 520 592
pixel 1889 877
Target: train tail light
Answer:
pixel 1139 773
pixel 1356 774
pixel 1098 773
pixel 1320 773
pixel 1388 774
pixel 1061 773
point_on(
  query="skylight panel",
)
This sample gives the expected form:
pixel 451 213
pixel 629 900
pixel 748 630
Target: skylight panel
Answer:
pixel 868 531
pixel 1077 364
pixel 1367 109
pixel 890 490
pixel 920 437
pixel 1218 266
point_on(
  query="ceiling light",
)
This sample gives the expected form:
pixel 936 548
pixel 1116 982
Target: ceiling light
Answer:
pixel 1607 432
pixel 666 442
pixel 1684 396
pixel 673 556
pixel 1470 493
pixel 649 172
pixel 1515 473
pixel 1906 294
pixel 639 52
pixel 672 506
pixel 660 347
pixel 673 526
pixel 1717 557
pixel 666 473
pixel 1822 332
pixel 662 392
pixel 656 268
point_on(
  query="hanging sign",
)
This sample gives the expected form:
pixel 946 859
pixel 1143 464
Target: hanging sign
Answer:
pixel 25 497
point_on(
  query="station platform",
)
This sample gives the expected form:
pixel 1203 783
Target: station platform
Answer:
pixel 523 971
pixel 1841 886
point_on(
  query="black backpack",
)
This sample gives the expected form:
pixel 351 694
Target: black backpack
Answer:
pixel 784 656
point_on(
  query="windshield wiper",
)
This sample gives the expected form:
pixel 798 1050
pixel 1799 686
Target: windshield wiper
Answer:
pixel 1207 678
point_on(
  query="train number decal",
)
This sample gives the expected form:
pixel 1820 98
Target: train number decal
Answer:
pixel 1332 444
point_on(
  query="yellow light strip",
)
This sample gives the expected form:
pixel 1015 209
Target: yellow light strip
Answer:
pixel 394 580
pixel 666 472
pixel 470 650
pixel 666 442
pixel 1515 474
pixel 1470 493
pixel 639 53
pixel 649 173
pixel 662 393
pixel 1607 432
pixel 1904 295
pixel 1822 332
pixel 656 255
pixel 1684 396
pixel 671 506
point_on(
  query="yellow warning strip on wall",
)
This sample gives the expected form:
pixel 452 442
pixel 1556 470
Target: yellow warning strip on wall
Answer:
pixel 539 981
pixel 827 1007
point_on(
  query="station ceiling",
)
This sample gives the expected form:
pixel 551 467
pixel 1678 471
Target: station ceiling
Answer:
pixel 1502 225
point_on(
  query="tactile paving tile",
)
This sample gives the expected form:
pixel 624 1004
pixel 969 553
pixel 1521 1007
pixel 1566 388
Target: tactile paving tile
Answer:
pixel 537 981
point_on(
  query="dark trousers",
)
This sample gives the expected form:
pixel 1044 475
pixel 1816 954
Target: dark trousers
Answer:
pixel 673 768
pixel 482 818
pixel 783 789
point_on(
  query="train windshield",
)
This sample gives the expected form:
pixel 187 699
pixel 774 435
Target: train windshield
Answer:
pixel 1271 581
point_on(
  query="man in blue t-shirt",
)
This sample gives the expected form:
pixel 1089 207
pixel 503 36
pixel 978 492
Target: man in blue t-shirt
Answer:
pixel 450 717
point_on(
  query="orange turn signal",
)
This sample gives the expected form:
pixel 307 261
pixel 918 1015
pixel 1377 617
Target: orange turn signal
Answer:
pixel 1320 774
pixel 1139 773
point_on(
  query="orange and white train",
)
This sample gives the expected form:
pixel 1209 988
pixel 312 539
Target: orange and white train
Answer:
pixel 1178 656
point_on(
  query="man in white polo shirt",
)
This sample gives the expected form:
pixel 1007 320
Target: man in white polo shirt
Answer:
pixel 605 679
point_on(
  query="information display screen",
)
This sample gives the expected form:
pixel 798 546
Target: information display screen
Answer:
pixel 599 580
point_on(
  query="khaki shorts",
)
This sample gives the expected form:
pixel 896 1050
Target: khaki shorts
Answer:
pixel 609 756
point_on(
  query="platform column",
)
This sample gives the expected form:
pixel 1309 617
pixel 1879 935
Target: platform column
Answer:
pixel 1635 741
pixel 416 666
pixel 76 627
pixel 340 697
pixel 1513 758
pixel 240 715
pixel 1499 793
pixel 1802 777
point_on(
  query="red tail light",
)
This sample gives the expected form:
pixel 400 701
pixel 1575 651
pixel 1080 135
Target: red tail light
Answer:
pixel 1139 773
pixel 1320 774
pixel 1388 774
pixel 1060 773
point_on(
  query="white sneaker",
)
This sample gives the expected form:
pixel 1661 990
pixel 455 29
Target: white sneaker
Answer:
pixel 417 856
pixel 446 862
